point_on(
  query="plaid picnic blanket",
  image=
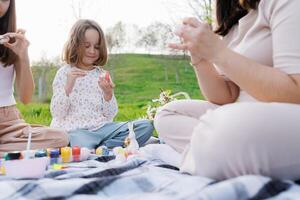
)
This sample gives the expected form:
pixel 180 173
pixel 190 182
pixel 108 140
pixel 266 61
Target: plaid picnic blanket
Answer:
pixel 141 178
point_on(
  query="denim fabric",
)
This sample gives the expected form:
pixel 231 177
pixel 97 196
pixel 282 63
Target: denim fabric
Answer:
pixel 111 134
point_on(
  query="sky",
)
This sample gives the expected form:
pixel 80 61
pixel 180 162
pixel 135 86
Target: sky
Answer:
pixel 47 22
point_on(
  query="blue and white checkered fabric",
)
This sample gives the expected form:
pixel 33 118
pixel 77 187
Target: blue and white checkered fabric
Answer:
pixel 140 178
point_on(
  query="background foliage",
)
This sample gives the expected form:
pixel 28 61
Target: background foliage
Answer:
pixel 138 80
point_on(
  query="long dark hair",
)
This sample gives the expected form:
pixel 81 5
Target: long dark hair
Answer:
pixel 228 13
pixel 8 24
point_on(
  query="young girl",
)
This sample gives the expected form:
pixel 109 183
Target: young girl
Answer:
pixel 83 101
pixel 14 62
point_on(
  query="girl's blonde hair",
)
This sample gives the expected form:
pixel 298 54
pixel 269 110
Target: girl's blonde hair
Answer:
pixel 73 49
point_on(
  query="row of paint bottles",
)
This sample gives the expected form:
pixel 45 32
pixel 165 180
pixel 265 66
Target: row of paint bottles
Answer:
pixel 68 154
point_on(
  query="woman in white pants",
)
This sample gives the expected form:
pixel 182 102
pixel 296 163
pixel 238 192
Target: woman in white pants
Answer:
pixel 250 123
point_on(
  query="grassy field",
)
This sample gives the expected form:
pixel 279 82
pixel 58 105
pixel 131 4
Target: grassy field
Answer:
pixel 39 113
pixel 138 80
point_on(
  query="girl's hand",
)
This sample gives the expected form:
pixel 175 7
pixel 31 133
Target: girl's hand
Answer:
pixel 199 40
pixel 71 79
pixel 19 45
pixel 106 84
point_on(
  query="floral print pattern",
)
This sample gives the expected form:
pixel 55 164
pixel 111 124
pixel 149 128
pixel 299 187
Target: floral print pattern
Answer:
pixel 85 107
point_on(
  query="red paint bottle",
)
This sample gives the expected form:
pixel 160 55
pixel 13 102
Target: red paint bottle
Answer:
pixel 76 153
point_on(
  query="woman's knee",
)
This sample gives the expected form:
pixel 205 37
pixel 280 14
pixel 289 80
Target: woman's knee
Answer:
pixel 235 139
pixel 165 111
pixel 60 137
pixel 180 112
pixel 161 120
pixel 64 139
pixel 230 127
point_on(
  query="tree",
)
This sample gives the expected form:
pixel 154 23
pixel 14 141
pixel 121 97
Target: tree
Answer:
pixel 202 9
pixel 164 35
pixel 115 38
pixel 77 8
pixel 82 8
pixel 45 64
pixel 148 38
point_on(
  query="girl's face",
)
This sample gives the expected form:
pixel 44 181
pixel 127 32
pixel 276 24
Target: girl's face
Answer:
pixel 4 5
pixel 91 48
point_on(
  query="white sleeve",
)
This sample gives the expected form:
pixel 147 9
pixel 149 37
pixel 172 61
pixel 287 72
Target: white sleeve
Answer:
pixel 283 16
pixel 60 102
pixel 110 108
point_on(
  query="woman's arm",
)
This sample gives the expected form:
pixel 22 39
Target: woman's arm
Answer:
pixel 214 86
pixel 24 79
pixel 265 83
pixel 277 83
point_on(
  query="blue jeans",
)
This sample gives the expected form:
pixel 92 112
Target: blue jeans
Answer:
pixel 111 134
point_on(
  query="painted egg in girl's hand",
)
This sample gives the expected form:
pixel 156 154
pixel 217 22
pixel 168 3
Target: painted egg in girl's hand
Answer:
pixel 107 76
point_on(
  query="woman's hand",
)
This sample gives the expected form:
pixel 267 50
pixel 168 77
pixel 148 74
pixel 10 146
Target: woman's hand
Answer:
pixel 106 84
pixel 199 40
pixel 72 75
pixel 19 45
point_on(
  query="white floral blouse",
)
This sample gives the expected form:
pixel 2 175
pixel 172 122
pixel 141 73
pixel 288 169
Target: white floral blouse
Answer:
pixel 85 108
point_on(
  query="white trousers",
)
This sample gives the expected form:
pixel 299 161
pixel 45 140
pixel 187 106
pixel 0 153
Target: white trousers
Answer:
pixel 222 142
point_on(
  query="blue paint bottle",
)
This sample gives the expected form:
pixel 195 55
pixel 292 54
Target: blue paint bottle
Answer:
pixel 54 156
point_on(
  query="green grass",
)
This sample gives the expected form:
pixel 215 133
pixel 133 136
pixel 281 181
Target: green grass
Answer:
pixel 36 113
pixel 138 80
pixel 140 77
pixel 39 113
